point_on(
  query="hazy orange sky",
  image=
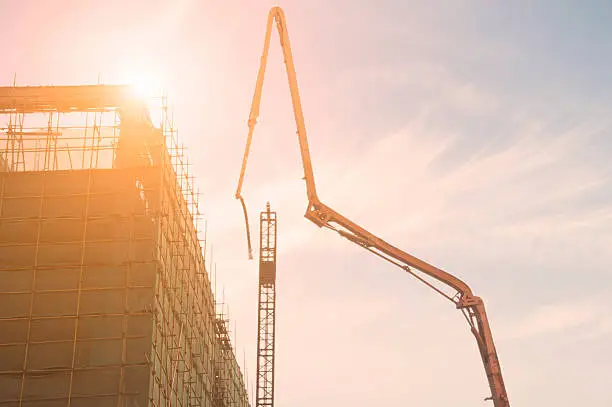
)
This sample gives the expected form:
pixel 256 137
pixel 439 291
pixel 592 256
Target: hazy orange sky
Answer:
pixel 472 135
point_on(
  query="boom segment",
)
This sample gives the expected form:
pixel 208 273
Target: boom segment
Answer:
pixel 322 215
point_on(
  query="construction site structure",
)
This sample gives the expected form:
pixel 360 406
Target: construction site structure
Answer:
pixel 105 298
pixel 448 285
pixel 264 396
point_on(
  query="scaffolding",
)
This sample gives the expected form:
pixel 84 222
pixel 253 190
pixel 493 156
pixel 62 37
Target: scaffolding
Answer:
pixel 105 298
pixel 229 383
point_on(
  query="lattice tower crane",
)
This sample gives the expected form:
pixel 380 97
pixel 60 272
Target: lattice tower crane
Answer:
pixel 266 310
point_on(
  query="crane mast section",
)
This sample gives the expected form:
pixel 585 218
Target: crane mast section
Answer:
pixel 266 322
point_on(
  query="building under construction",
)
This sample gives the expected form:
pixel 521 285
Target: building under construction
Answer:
pixel 105 298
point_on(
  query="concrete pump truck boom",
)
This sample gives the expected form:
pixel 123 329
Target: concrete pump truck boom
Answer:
pixel 322 215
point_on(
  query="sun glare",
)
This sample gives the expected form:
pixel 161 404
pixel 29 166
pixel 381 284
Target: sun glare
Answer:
pixel 146 86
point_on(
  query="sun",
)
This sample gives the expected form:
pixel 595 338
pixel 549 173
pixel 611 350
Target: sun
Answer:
pixel 146 85
pixel 144 73
pixel 149 88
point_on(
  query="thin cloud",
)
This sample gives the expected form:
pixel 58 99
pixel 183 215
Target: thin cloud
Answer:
pixel 568 319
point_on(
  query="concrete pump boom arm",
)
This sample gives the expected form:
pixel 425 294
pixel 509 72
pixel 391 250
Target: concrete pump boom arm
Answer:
pixel 323 216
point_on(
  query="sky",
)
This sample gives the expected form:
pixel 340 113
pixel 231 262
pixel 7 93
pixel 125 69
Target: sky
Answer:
pixel 474 135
